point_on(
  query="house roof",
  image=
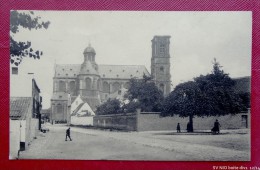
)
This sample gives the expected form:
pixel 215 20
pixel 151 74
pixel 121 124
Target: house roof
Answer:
pixel 242 84
pixel 77 109
pixel 105 71
pixel 19 107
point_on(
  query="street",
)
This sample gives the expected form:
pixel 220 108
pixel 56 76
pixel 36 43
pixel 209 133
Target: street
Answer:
pixel 92 144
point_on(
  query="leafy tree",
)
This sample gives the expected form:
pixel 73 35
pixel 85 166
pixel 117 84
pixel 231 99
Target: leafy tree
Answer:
pixel 209 95
pixel 144 94
pixel 20 49
pixel 111 106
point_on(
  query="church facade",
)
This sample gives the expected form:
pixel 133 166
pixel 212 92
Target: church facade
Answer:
pixel 96 83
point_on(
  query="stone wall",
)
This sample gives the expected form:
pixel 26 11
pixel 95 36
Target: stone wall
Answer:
pixel 116 121
pixel 152 121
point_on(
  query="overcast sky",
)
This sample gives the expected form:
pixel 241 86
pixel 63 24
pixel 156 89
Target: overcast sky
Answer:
pixel 124 38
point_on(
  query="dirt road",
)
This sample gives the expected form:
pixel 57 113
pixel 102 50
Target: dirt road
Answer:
pixel 89 144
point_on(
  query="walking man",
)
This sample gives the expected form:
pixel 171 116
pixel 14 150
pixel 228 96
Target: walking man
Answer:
pixel 68 134
pixel 178 128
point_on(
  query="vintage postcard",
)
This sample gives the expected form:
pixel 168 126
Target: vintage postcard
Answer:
pixel 130 85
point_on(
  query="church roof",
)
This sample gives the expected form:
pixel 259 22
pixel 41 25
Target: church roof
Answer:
pixel 122 71
pixel 67 70
pixel 105 71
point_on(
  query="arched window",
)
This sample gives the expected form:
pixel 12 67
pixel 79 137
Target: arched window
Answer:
pixel 115 87
pixel 106 88
pixel 72 87
pixel 98 84
pixel 88 83
pixel 62 86
pixel 162 69
pixel 161 87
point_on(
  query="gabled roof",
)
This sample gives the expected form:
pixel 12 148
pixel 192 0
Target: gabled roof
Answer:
pixel 19 107
pixel 77 109
pixel 105 71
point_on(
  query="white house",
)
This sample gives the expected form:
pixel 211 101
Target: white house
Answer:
pixel 81 112
pixel 25 105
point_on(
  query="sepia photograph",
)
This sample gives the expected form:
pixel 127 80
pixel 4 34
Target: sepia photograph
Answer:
pixel 130 85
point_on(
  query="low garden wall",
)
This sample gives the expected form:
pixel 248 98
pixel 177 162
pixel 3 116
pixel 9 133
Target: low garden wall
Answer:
pixel 116 121
pixel 152 121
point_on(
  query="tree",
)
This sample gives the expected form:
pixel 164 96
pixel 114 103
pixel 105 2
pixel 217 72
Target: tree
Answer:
pixel 209 95
pixel 144 94
pixel 111 106
pixel 20 49
pixel 185 101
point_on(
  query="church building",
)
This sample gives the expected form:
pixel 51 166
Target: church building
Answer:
pixel 96 83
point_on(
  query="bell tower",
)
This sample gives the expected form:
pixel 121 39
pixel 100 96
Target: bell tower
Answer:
pixel 160 63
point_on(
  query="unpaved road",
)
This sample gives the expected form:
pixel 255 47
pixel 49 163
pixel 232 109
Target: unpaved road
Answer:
pixel 89 144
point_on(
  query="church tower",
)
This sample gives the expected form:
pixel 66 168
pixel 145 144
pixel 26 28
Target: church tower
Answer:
pixel 160 63
pixel 89 78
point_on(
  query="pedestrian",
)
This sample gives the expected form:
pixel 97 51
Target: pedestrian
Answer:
pixel 68 134
pixel 215 129
pixel 178 128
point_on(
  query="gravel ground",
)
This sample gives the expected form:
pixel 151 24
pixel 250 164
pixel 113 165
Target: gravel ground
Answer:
pixel 91 144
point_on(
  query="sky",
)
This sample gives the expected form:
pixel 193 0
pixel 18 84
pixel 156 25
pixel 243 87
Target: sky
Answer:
pixel 124 38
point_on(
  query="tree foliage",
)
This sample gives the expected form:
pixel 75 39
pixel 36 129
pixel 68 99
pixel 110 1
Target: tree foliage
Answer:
pixel 111 106
pixel 208 95
pixel 20 49
pixel 144 94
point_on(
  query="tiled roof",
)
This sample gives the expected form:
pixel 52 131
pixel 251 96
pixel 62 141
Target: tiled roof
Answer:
pixel 242 84
pixel 19 107
pixel 105 71
pixel 67 70
pixel 122 71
